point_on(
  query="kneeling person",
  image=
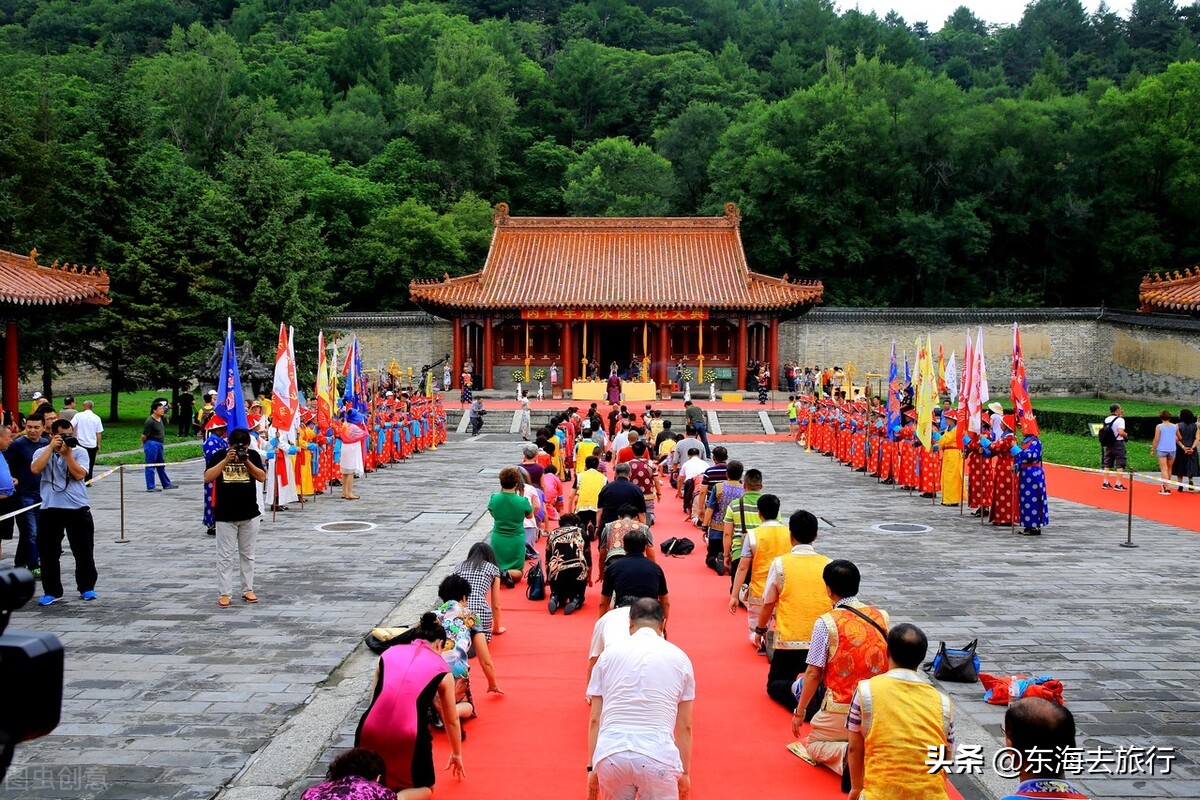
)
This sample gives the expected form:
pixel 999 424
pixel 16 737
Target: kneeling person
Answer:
pixel 568 565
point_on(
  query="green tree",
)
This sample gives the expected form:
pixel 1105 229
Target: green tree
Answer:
pixel 615 177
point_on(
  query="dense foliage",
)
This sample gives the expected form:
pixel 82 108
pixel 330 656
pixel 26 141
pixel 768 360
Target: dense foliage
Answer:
pixel 278 159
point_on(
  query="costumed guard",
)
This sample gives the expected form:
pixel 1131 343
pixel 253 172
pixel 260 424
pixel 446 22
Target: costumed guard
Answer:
pixel 952 461
pixel 764 384
pixel 465 397
pixel 906 446
pixel 351 433
pixel 281 482
pixel 929 466
pixel 1032 481
pixel 213 444
pixel 306 447
pixel 979 475
pixel 1004 481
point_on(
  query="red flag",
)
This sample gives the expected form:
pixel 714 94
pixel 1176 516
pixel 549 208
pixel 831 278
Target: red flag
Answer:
pixel 968 380
pixel 1020 388
pixel 283 388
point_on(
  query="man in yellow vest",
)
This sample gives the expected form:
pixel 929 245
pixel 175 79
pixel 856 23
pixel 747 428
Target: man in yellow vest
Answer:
pixel 848 645
pixel 760 547
pixel 894 720
pixel 795 595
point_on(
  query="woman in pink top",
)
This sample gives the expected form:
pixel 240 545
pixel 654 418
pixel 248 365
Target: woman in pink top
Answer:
pixel 552 489
pixel 411 678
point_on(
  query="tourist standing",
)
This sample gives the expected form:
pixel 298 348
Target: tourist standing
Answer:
pixel 1163 447
pixel 695 419
pixel 640 730
pixel 525 415
pixel 154 433
pixel 236 474
pixel 89 430
pixel 65 510
pixel 1186 465
pixel 28 492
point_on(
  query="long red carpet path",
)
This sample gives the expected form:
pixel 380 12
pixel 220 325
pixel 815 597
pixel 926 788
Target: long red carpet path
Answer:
pixel 1178 508
pixel 531 744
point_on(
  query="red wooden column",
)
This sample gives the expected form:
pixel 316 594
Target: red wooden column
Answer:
pixel 664 356
pixel 487 352
pixel 12 400
pixel 773 352
pixel 567 368
pixel 743 348
pixel 456 352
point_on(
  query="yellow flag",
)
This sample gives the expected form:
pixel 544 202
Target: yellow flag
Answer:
pixel 926 394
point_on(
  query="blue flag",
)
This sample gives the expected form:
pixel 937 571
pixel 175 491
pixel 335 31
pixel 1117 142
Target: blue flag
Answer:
pixel 894 396
pixel 231 405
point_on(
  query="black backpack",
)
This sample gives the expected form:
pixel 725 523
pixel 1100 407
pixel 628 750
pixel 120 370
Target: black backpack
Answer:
pixel 681 546
pixel 1107 436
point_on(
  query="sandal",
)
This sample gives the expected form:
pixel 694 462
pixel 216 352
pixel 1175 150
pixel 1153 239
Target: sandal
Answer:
pixel 223 601
pixel 250 597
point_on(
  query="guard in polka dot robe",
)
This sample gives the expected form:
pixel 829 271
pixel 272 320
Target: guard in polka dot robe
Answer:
pixel 1031 489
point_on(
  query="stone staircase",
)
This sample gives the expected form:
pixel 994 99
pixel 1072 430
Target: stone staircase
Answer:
pixel 741 423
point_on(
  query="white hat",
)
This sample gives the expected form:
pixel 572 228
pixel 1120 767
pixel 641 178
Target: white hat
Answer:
pixel 995 408
pixel 37 395
pixel 390 394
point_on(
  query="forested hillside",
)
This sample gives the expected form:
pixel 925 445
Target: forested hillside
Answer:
pixel 274 159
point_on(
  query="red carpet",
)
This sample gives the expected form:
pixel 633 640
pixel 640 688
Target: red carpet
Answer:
pixel 1180 509
pixel 532 743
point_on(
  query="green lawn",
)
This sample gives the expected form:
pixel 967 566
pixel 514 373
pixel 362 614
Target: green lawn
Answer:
pixel 132 409
pixel 172 454
pixel 1084 451
pixel 1095 405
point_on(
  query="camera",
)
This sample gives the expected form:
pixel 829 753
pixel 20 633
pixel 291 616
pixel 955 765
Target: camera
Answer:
pixel 241 450
pixel 70 442
pixel 31 660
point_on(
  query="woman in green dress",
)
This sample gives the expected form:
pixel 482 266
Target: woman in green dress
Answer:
pixel 509 509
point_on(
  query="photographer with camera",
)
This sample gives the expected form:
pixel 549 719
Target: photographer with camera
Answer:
pixel 236 472
pixel 62 466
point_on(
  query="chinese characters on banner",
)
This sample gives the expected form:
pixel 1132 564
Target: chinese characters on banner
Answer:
pixel 616 315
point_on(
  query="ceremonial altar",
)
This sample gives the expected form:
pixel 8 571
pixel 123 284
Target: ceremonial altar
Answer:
pixel 597 391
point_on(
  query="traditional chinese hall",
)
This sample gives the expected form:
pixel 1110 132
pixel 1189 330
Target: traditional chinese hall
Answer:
pixel 643 293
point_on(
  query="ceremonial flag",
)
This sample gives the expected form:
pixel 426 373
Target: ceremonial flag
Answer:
pixel 231 405
pixel 323 394
pixel 283 388
pixel 349 373
pixel 1020 388
pixel 894 394
pixel 941 372
pixel 977 391
pixel 964 414
pixel 967 400
pixel 950 376
pixel 926 394
pixel 295 398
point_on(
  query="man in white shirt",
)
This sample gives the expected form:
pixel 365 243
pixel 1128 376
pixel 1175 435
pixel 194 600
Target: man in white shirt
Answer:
pixel 610 630
pixel 621 440
pixel 692 468
pixel 1115 456
pixel 89 430
pixel 640 730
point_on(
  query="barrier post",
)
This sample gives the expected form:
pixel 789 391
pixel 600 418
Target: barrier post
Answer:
pixel 1129 517
pixel 121 476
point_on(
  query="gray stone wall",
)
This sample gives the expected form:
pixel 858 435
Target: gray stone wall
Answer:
pixel 1062 346
pixel 1068 351
pixel 412 338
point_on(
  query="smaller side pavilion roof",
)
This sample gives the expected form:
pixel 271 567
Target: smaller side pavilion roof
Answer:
pixel 616 262
pixel 25 282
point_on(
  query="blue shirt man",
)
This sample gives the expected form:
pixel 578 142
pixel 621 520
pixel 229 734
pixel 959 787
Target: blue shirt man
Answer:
pixel 27 492
pixel 65 511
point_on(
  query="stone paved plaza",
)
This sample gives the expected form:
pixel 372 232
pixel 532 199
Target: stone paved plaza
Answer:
pixel 168 696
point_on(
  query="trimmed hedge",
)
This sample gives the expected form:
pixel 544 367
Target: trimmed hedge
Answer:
pixel 1077 423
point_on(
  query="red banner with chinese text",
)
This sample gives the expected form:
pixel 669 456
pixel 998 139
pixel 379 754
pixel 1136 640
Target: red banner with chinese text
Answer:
pixel 614 314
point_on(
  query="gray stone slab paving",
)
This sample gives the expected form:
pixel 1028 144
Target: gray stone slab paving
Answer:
pixel 170 697
pixel 167 696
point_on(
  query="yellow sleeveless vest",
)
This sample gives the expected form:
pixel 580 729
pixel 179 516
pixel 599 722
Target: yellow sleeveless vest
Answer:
pixel 772 539
pixel 802 600
pixel 906 719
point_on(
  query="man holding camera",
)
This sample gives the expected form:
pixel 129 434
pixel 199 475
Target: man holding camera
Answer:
pixel 236 473
pixel 62 466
